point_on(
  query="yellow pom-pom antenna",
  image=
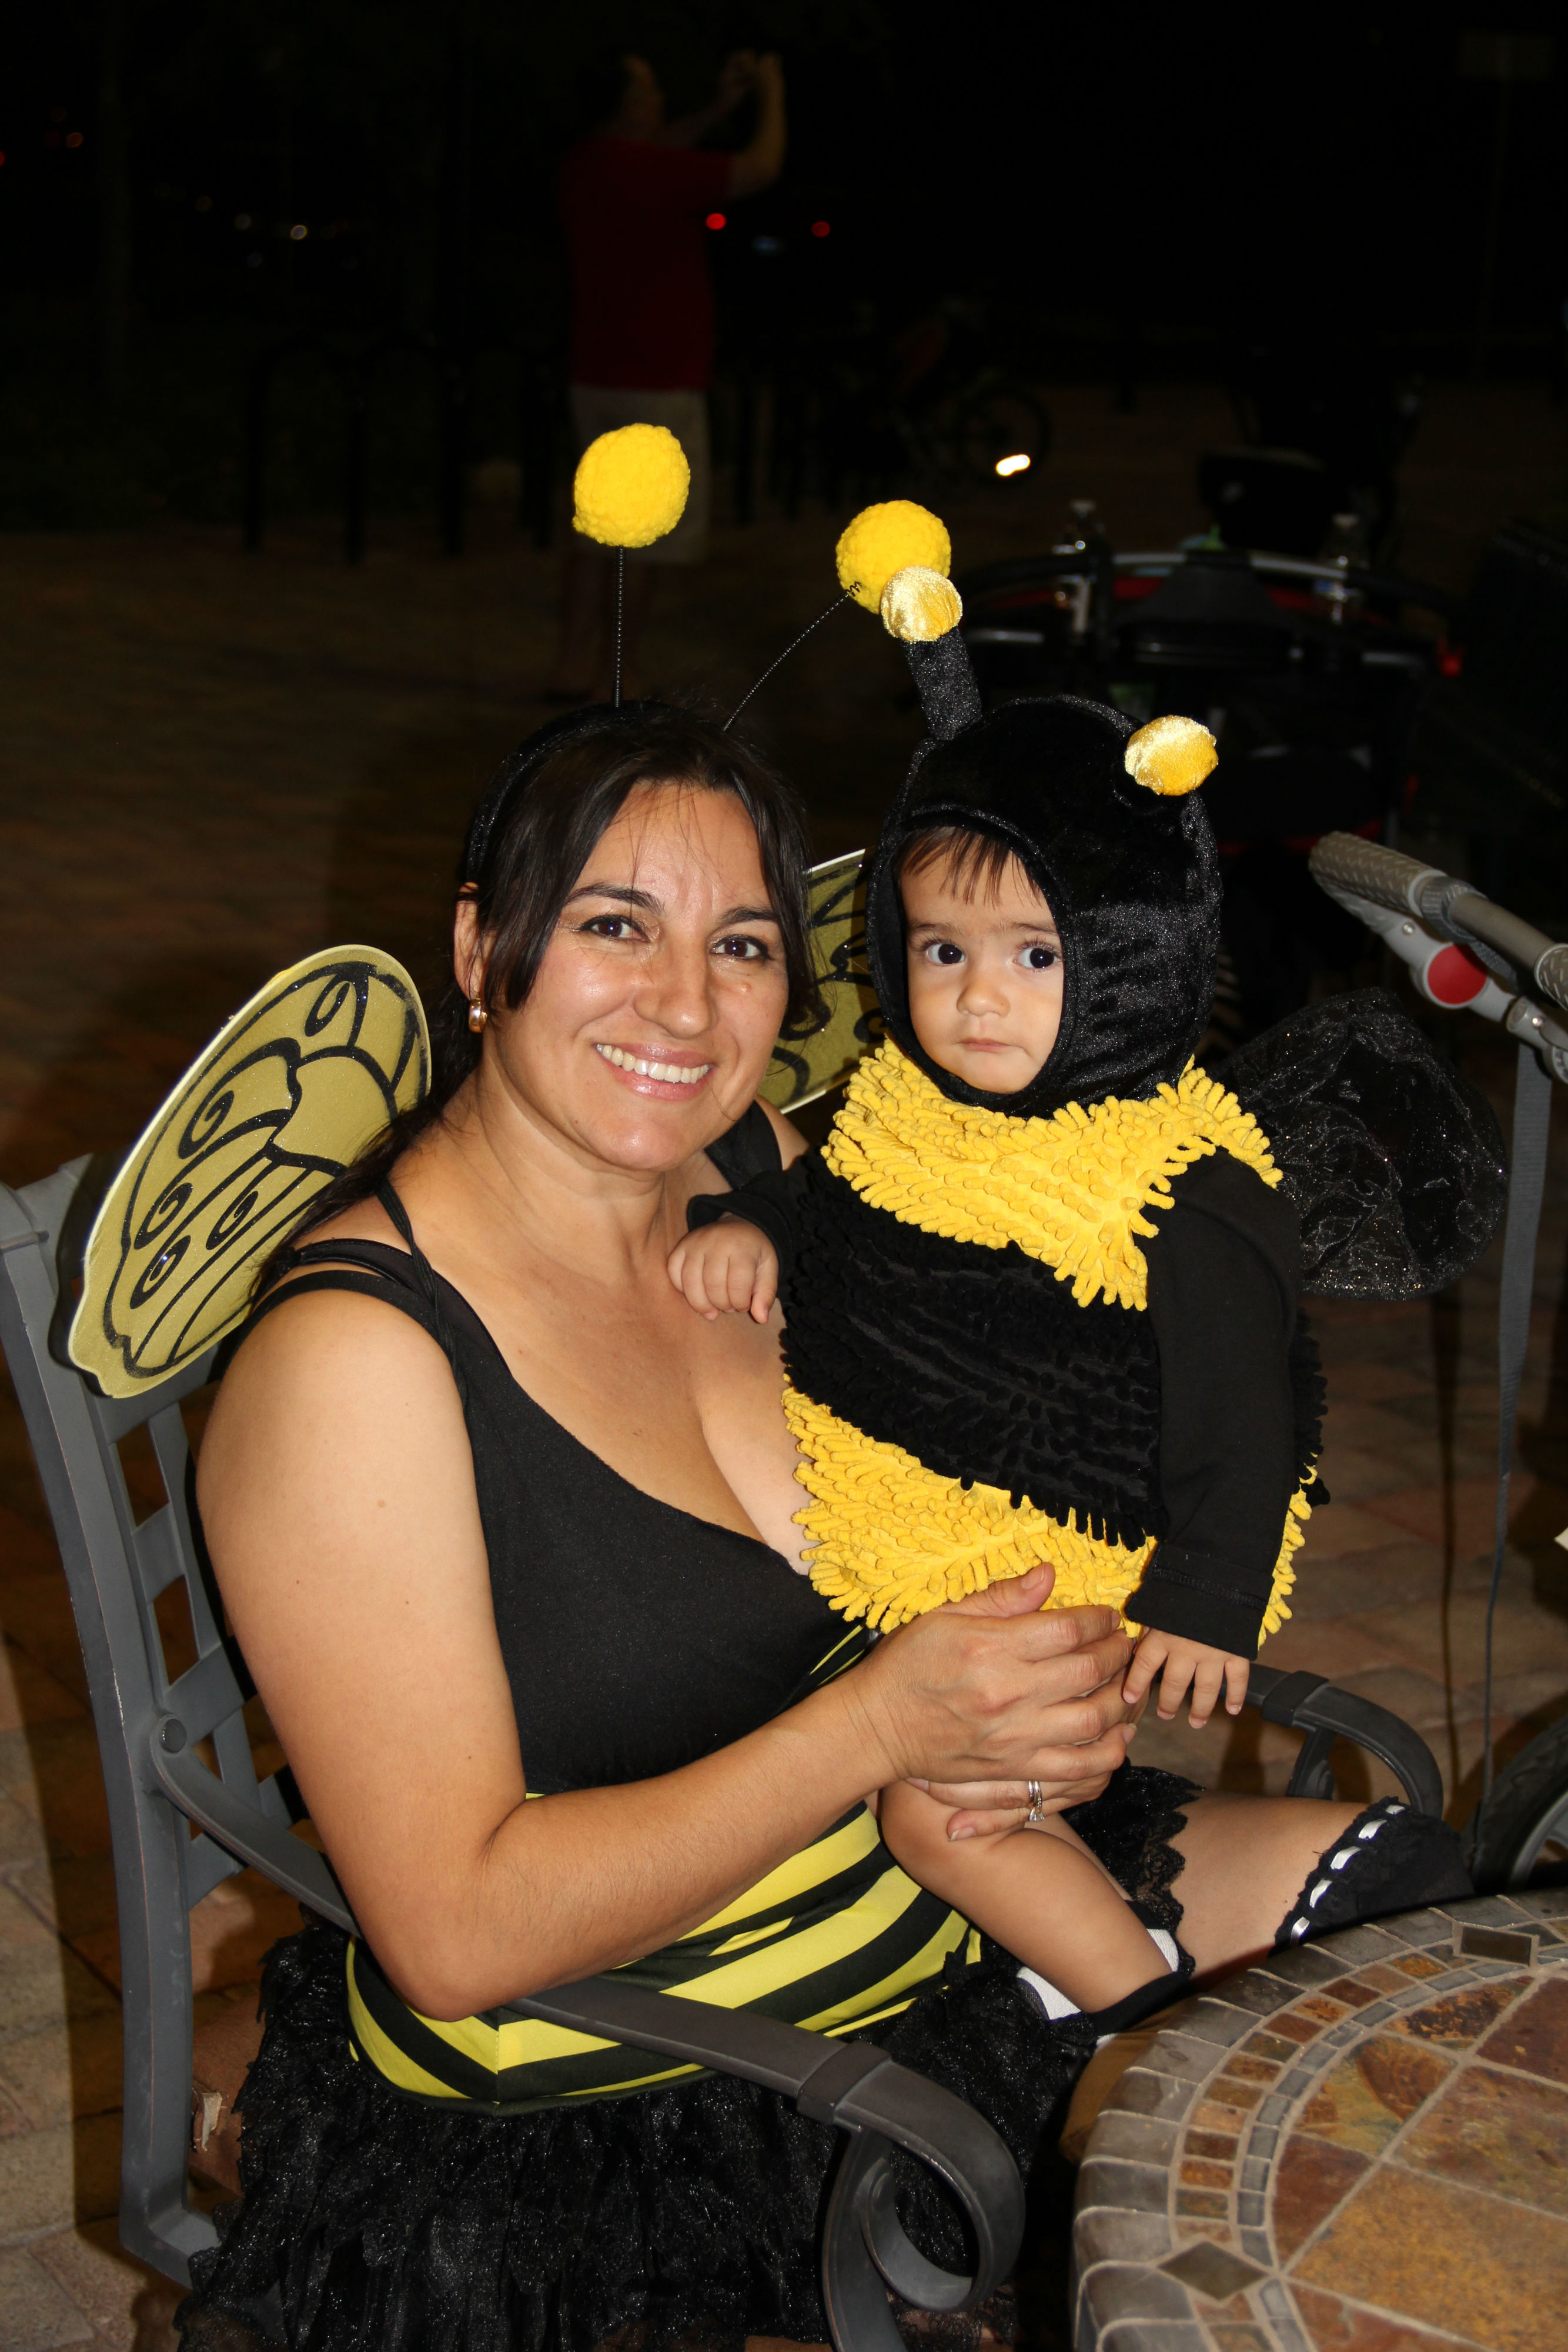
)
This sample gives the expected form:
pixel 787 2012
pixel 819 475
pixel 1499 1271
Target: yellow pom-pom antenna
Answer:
pixel 631 486
pixel 919 606
pixel 1171 756
pixel 886 539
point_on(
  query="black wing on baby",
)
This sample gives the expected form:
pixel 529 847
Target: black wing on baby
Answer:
pixel 1393 1162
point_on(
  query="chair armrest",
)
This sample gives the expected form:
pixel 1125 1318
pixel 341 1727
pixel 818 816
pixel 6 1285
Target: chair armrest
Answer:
pixel 857 2087
pixel 238 1826
pixel 1312 1704
pixel 850 2084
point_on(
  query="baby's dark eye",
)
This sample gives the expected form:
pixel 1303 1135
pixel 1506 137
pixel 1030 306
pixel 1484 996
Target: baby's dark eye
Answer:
pixel 944 952
pixel 1038 958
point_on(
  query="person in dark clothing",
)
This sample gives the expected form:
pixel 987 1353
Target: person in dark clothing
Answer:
pixel 636 198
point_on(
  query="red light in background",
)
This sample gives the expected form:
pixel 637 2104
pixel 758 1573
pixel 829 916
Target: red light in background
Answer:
pixel 716 220
pixel 821 228
pixel 73 138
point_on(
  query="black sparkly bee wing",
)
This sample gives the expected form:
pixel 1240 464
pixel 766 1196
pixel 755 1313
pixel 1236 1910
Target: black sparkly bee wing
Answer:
pixel 1394 1163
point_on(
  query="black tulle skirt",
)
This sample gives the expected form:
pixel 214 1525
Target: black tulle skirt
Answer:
pixel 372 2222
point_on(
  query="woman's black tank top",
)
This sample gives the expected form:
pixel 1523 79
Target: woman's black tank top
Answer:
pixel 637 1638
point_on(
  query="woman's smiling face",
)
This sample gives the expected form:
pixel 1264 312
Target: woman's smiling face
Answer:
pixel 657 1000
pixel 985 972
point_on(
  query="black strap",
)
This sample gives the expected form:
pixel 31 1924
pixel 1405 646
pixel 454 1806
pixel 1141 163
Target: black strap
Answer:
pixel 408 1271
pixel 424 1273
pixel 748 1149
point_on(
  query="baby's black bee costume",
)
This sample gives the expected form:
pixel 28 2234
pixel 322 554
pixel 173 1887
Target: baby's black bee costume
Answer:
pixel 1063 1324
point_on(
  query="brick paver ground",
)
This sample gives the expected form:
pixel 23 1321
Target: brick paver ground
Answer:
pixel 216 765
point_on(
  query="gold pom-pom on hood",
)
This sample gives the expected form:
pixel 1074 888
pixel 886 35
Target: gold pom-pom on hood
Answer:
pixel 886 539
pixel 631 486
pixel 1171 756
pixel 918 606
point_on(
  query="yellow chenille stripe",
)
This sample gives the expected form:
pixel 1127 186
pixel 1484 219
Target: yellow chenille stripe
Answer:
pixel 891 1538
pixel 1071 1189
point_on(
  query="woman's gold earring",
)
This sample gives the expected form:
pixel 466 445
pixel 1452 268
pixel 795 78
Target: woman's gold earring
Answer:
pixel 477 1016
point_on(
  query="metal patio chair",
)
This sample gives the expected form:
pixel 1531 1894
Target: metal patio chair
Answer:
pixel 180 1826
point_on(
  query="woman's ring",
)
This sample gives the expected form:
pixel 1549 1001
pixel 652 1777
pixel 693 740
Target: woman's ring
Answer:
pixel 1036 1814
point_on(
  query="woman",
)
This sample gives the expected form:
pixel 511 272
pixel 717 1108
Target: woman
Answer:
pixel 497 1518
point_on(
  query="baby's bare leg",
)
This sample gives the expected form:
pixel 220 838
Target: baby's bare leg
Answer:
pixel 1043 1898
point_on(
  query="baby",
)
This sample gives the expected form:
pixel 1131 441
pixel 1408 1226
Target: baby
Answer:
pixel 1038 1285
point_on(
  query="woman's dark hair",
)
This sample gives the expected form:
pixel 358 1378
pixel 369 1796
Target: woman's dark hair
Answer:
pixel 547 807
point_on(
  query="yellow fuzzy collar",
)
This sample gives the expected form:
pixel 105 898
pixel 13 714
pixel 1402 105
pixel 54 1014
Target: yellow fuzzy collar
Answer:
pixel 1070 1189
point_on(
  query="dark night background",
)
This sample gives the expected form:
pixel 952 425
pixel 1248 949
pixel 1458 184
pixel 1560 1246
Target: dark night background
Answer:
pixel 1319 249
pixel 1126 190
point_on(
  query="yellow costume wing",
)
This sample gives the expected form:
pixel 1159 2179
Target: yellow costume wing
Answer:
pixel 290 1090
pixel 803 1068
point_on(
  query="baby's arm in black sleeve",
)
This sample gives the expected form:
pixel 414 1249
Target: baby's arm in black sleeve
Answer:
pixel 767 1201
pixel 1223 1275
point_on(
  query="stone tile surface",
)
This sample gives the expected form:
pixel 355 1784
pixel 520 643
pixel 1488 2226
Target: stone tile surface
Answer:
pixel 36 2312
pixel 1332 2325
pixel 1404 2182
pixel 1449 2257
pixel 1535 2038
pixel 1500 2132
pixel 128 2306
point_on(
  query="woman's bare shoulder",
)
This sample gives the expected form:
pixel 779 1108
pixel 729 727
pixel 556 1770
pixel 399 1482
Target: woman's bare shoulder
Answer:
pixel 333 1393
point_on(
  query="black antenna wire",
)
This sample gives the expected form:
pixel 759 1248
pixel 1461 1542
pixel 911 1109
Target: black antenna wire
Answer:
pixel 784 656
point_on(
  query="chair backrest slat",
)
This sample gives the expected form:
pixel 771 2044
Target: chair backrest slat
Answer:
pixel 116 1571
pixel 204 1695
pixel 158 1558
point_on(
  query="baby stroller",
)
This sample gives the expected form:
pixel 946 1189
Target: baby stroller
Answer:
pixel 1468 955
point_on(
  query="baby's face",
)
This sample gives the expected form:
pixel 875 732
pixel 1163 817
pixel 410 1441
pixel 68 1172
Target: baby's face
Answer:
pixel 985 975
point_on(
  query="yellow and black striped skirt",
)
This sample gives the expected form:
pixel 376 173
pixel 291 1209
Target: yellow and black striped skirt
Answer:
pixel 836 1939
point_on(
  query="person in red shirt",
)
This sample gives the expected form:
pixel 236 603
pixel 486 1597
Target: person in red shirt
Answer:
pixel 635 198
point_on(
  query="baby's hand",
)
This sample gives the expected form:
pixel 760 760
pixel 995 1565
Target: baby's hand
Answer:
pixel 1182 1661
pixel 729 1268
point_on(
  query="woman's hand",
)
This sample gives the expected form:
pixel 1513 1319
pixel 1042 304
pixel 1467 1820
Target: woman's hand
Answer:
pixel 985 1808
pixel 998 1690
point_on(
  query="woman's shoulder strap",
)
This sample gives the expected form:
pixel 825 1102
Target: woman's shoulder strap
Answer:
pixel 370 1269
pixel 402 1279
pixel 748 1149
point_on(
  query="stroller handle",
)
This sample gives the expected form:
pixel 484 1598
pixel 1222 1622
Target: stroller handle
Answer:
pixel 1352 870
